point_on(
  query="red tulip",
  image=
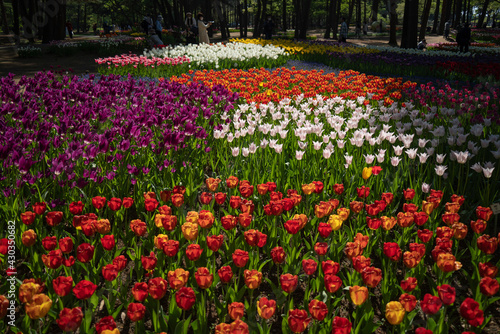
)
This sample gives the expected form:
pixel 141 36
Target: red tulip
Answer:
pixel 140 291
pixel 447 294
pixel 430 304
pixel 240 258
pixel 289 282
pixel 332 283
pixel 62 285
pixel 70 319
pixel 225 274
pixel 409 284
pixel 185 298
pixel 318 309
pixel 341 325
pixel 136 311
pixel 309 266
pixel 298 320
pixel 193 252
pixel 278 255
pixel 489 286
pixel 84 289
pixel 109 272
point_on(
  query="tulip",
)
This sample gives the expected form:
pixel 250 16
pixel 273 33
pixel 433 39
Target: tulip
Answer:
pixel 53 260
pixel 203 278
pixel 140 291
pixel 190 231
pixel 409 284
pixel 367 172
pixel 106 324
pixel 371 276
pixel 489 286
pixel 70 319
pixel 157 287
pixel 253 278
pixel 206 219
pixel 430 304
pixel 358 294
pixel 240 258
pixel 28 238
pixel 225 274
pixel 185 298
pixel 446 293
pixel 136 311
pixel 171 248
pixel 84 289
pixel 109 272
pixel 212 184
pixel 214 242
pixel 278 255
pixel 28 217
pixel 332 283
pixel 39 208
pixel 318 309
pixel 309 266
pixel 394 313
pixel 236 310
pixel 266 308
pixel 469 310
pixel 341 325
pixel 298 320
pixel 177 278
pixel 488 269
pixel 38 307
pixel 193 252
pixel 408 301
pixel 289 282
pixel 27 291
pixel 62 285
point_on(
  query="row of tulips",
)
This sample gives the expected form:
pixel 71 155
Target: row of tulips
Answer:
pixel 177 261
pixel 393 61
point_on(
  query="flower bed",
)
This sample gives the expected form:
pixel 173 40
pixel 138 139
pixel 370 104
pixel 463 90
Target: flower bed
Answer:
pixel 270 201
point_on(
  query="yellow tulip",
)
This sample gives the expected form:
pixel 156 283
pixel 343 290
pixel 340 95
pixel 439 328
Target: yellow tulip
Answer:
pixel 335 222
pixel 39 306
pixel 394 313
pixel 367 172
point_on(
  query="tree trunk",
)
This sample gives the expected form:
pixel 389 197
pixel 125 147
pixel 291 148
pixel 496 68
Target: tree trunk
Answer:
pixel 222 20
pixel 425 19
pixel 257 20
pixel 393 22
pixel 328 27
pixel 375 4
pixel 5 25
pixel 445 15
pixel 301 21
pixel 482 15
pixel 458 13
pixel 15 21
pixel 410 25
pixel 335 21
pixel 351 9
pixel 436 17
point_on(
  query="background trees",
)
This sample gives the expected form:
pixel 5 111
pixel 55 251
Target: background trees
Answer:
pixel 45 19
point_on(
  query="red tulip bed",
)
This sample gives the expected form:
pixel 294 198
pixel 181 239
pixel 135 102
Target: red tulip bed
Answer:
pixel 166 207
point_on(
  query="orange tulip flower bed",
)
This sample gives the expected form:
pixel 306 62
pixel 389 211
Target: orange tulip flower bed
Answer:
pixel 259 258
pixel 263 86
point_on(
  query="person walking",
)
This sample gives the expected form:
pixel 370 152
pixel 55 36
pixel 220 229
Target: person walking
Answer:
pixel 447 30
pixel 269 27
pixel 343 31
pixel 158 26
pixel 191 27
pixel 69 26
pixel 463 38
pixel 202 29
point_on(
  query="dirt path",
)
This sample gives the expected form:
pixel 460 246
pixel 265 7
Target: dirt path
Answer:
pixel 84 63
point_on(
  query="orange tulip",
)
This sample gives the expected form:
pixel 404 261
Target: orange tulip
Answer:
pixel 39 306
pixel 359 294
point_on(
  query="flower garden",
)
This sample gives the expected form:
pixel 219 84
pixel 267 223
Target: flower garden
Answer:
pixel 254 187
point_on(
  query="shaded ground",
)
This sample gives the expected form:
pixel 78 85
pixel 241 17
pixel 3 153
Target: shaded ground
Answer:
pixel 84 63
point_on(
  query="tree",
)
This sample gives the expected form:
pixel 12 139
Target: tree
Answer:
pixel 425 19
pixel 410 25
pixel 375 4
pixel 5 24
pixel 436 17
pixel 393 15
pixel 301 21
pixel 482 15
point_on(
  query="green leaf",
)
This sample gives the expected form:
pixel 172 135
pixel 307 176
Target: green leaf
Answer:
pixel 183 326
pixel 117 311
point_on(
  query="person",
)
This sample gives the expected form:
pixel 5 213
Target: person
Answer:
pixel 269 27
pixel 422 45
pixel 158 26
pixel 202 29
pixel 463 38
pixel 191 27
pixel 146 24
pixel 94 27
pixel 69 26
pixel 365 28
pixel 154 37
pixel 343 30
pixel 447 30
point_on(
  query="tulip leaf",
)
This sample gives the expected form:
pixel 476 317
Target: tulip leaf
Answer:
pixel 183 326
pixel 117 311
pixel 284 326
pixel 431 323
pixel 263 264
